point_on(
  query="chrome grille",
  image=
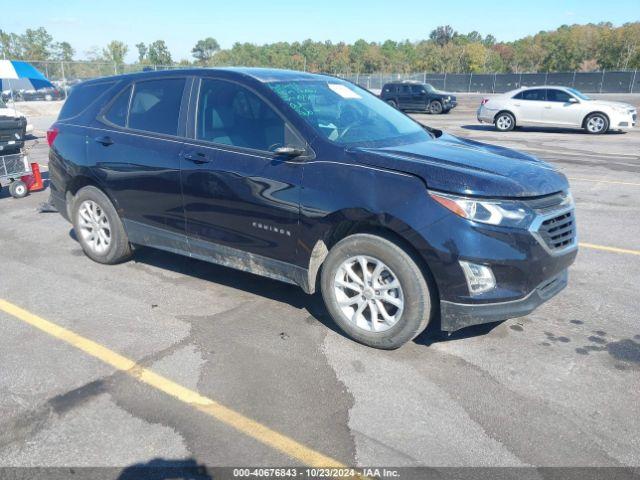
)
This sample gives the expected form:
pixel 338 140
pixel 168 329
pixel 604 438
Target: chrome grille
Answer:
pixel 555 226
pixel 558 232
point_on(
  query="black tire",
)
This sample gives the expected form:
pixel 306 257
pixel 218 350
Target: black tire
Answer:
pixel 504 122
pixel 18 189
pixel 392 103
pixel 119 248
pixel 596 123
pixel 416 293
pixel 435 107
pixel 446 110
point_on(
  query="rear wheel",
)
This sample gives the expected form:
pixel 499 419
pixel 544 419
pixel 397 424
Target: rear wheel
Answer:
pixel 504 122
pixel 375 291
pixel 392 103
pixel 596 123
pixel 435 107
pixel 18 189
pixel 99 228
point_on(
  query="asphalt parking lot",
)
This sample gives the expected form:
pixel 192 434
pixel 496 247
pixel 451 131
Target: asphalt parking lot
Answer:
pixel 556 388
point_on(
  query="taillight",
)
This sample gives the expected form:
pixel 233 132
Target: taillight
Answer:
pixel 52 133
pixel 484 101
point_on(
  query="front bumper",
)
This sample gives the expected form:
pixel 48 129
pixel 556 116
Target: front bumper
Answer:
pixel 529 266
pixel 455 316
pixel 624 121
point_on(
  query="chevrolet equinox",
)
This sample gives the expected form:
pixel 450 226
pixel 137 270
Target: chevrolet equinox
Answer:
pixel 313 181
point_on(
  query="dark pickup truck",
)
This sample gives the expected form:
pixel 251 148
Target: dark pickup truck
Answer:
pixel 414 96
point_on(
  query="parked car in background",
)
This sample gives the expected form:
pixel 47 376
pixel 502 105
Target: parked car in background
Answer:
pixel 552 106
pixel 313 181
pixel 417 97
pixel 43 94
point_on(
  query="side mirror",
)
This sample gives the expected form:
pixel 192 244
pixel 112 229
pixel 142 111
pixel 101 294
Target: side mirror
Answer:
pixel 574 100
pixel 289 152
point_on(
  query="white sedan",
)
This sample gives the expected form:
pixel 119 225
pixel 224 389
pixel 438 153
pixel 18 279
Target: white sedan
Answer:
pixel 550 106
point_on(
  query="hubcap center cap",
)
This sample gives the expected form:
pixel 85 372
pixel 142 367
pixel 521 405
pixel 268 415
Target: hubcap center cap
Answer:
pixel 369 293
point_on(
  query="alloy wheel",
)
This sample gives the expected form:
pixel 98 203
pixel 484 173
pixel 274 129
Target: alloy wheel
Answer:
pixel 595 124
pixel 94 226
pixel 368 293
pixel 504 122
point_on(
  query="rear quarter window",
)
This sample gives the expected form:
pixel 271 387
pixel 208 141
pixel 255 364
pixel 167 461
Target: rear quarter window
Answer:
pixel 81 96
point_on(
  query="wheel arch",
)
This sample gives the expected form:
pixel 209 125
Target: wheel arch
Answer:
pixel 506 110
pixel 389 228
pixel 80 181
pixel 600 112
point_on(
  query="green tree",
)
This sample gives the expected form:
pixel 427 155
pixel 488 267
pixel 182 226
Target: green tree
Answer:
pixel 36 44
pixel 115 52
pixel 142 51
pixel 158 53
pixel 62 51
pixel 205 49
pixel 442 35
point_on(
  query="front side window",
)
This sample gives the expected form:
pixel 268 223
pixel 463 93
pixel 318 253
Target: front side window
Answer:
pixel 558 96
pixel 155 105
pixel 230 114
pixel 417 89
pixel 117 113
pixel 348 115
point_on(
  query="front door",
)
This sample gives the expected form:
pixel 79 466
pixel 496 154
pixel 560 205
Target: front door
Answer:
pixel 562 109
pixel 237 193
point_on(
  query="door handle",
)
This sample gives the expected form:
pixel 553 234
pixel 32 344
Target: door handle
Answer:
pixel 548 108
pixel 198 158
pixel 104 140
pixel 516 104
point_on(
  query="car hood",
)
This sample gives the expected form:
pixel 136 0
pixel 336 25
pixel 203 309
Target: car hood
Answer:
pixel 612 104
pixel 466 167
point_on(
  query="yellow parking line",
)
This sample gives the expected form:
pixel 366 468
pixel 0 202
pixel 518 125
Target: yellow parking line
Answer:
pixel 610 249
pixel 613 182
pixel 230 417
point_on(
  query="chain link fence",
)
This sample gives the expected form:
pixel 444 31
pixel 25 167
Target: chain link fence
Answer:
pixel 66 74
pixel 588 82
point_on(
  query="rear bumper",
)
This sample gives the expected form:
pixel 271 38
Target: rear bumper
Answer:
pixel 58 200
pixel 459 315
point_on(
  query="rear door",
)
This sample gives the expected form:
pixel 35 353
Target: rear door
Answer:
pixel 136 155
pixel 237 194
pixel 528 106
pixel 405 99
pixel 562 109
pixel 418 97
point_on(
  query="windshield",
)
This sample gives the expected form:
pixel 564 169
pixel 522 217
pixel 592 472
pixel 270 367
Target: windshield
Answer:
pixel 578 94
pixel 345 114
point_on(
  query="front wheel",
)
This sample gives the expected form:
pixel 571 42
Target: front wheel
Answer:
pixel 18 189
pixel 435 107
pixel 596 123
pixel 505 122
pixel 375 291
pixel 99 228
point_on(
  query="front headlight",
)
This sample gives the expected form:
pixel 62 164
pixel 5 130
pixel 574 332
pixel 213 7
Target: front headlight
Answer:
pixel 509 213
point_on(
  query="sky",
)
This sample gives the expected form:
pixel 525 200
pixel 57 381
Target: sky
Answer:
pixel 90 23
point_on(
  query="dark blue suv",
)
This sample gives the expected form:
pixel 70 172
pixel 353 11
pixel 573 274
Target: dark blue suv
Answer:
pixel 311 180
